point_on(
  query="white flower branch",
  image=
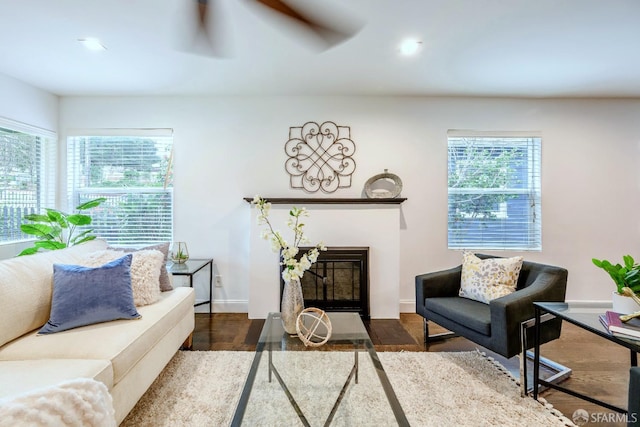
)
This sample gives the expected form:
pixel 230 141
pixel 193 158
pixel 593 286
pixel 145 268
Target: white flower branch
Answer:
pixel 294 268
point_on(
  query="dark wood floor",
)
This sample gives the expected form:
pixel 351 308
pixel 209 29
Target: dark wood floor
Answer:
pixel 600 368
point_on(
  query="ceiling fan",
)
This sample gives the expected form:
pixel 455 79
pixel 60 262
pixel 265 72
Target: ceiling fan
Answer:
pixel 328 33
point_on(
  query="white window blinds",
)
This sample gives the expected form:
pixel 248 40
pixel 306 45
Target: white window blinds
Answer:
pixel 134 173
pixel 494 192
pixel 27 175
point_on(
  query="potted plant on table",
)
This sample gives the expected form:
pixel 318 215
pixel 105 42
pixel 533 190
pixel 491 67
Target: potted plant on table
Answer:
pixel 624 275
pixel 179 252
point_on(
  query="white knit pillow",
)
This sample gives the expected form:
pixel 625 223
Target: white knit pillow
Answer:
pixel 76 402
pixel 145 272
pixel 487 279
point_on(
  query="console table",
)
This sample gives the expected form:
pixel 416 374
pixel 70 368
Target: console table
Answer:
pixel 587 320
pixel 190 268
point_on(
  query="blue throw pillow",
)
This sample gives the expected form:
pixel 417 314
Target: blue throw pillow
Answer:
pixel 84 295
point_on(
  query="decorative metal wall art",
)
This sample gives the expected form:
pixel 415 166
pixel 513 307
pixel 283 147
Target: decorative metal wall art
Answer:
pixel 320 157
pixel 384 185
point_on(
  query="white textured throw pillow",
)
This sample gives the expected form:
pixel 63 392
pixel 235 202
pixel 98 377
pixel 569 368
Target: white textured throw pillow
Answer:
pixel 165 277
pixel 145 272
pixel 76 402
pixel 487 279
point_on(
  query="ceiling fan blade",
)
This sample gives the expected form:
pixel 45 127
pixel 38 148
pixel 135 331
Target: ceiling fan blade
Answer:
pixel 281 7
pixel 202 14
pixel 330 34
pixel 208 31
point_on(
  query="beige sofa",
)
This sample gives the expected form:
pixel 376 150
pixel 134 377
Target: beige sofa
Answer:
pixel 125 355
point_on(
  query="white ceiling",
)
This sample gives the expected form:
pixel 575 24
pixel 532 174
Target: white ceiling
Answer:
pixel 523 48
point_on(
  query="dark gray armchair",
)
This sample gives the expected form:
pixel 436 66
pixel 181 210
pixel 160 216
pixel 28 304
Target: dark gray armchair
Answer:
pixel 495 326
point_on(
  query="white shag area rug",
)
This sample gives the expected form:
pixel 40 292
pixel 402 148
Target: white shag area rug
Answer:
pixel 202 388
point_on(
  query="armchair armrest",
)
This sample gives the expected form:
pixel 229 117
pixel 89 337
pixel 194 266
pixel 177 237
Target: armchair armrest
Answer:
pixel 509 311
pixel 548 286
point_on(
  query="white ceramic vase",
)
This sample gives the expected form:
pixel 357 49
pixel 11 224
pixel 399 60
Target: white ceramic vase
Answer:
pixel 623 304
pixel 291 305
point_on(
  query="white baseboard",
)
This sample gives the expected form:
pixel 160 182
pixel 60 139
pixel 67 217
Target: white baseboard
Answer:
pixel 591 304
pixel 408 306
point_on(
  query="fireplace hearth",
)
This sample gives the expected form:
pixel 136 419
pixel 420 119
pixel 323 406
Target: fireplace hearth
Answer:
pixel 338 280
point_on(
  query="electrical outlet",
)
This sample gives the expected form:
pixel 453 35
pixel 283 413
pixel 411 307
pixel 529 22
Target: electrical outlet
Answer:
pixel 218 281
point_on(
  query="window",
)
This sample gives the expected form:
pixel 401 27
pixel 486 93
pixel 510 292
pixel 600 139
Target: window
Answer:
pixel 133 172
pixel 494 192
pixel 27 170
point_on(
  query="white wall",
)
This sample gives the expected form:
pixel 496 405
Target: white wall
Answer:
pixel 26 104
pixel 227 148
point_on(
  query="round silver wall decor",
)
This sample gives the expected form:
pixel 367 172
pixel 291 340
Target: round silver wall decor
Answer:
pixel 383 186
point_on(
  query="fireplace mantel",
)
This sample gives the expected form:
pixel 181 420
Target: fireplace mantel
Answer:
pixel 330 201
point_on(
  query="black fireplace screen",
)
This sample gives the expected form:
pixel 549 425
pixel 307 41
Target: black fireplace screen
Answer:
pixel 338 281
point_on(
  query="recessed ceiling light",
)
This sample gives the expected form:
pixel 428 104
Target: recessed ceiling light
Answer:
pixel 410 47
pixel 92 44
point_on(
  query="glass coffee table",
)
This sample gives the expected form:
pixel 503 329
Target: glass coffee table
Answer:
pixel 290 384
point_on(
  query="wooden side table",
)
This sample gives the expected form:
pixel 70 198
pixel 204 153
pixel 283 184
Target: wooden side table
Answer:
pixel 190 268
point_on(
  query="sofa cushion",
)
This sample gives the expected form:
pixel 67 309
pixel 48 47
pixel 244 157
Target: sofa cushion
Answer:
pixel 26 287
pixel 487 279
pixel 122 342
pixel 84 295
pixel 469 313
pixel 145 272
pixel 20 376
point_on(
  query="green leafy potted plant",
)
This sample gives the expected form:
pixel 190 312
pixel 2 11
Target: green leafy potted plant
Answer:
pixel 57 229
pixel 179 252
pixel 627 275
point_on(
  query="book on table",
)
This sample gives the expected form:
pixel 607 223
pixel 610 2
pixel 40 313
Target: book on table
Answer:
pixel 603 320
pixel 615 326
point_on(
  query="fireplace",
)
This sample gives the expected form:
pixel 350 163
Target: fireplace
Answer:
pixel 338 280
pixel 339 223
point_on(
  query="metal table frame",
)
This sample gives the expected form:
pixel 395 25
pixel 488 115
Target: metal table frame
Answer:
pixel 190 268
pixel 560 372
pixel 360 344
pixel 352 374
pixel 555 309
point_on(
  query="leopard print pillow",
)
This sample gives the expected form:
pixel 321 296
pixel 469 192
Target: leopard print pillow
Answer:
pixel 487 279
